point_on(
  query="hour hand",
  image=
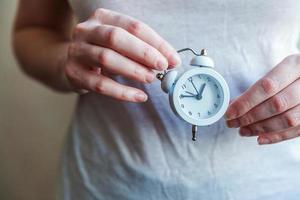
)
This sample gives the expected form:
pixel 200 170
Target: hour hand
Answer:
pixel 182 96
pixel 191 93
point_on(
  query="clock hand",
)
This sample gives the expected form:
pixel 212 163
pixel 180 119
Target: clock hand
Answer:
pixel 191 93
pixel 194 86
pixel 187 96
pixel 199 96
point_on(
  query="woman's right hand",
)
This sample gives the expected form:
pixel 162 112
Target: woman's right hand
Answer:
pixel 112 43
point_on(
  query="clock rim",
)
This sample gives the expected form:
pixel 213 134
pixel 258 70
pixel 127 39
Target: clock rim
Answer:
pixel 192 72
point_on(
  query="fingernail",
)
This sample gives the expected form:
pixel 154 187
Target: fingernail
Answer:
pixel 262 140
pixel 233 123
pixel 140 97
pixel 162 65
pixel 174 59
pixel 231 113
pixel 245 132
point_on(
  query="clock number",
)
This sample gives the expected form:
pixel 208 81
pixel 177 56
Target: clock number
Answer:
pixel 216 105
pixel 181 96
pixel 190 113
pixel 182 105
pixel 199 114
pixel 218 96
pixel 208 112
pixel 200 76
pixel 183 86
pixel 208 79
pixel 216 86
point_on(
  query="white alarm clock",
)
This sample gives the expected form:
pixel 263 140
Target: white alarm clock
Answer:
pixel 200 95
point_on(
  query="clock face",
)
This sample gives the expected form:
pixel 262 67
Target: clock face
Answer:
pixel 200 96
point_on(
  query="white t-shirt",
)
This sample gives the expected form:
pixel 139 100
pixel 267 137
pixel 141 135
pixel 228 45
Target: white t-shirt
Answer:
pixel 120 150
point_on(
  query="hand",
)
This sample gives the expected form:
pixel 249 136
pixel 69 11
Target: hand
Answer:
pixel 270 109
pixel 112 43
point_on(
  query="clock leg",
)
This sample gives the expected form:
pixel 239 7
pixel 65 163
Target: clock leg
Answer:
pixel 194 131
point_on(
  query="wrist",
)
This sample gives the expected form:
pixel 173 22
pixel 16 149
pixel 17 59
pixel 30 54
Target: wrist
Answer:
pixel 60 81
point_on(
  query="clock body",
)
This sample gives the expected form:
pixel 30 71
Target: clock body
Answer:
pixel 200 96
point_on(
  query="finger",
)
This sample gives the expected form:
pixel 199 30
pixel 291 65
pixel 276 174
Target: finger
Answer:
pixel 290 118
pixel 274 137
pixel 281 76
pixel 279 103
pixel 128 45
pixel 140 30
pixel 82 78
pixel 112 62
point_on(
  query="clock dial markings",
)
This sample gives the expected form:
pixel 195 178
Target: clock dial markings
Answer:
pixel 193 103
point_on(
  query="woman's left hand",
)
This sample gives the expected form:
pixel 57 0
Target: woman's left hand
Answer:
pixel 270 109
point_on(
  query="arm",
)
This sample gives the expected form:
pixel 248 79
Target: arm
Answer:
pixel 107 43
pixel 41 36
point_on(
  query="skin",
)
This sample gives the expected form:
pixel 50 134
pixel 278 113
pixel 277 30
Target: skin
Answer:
pixel 84 57
pixel 270 109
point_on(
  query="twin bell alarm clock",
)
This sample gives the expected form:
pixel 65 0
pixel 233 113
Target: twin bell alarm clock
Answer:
pixel 199 95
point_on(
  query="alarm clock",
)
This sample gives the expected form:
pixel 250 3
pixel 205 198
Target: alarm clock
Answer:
pixel 199 95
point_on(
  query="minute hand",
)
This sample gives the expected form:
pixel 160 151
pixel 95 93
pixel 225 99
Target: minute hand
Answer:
pixel 199 96
pixel 195 87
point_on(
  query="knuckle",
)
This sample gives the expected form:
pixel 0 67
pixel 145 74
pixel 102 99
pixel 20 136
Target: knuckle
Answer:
pixel 247 119
pixel 139 74
pixel 161 45
pixel 291 120
pixel 72 49
pixel 79 29
pixel 114 36
pixel 72 76
pixel 283 136
pixel 136 27
pixel 70 73
pixel 243 105
pixel 123 94
pixel 279 103
pixel 98 30
pixel 147 53
pixel 104 57
pixel 268 85
pixel 99 13
pixel 277 138
pixel 260 129
pixel 256 129
pixel 99 86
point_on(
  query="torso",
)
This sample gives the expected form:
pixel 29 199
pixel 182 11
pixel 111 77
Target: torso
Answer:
pixel 119 150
